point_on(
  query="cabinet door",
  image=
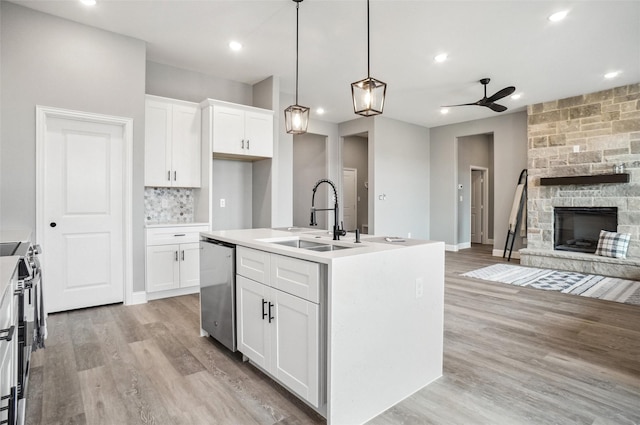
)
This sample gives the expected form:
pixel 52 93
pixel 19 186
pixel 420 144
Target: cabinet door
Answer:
pixel 185 138
pixel 163 267
pixel 258 133
pixel 228 130
pixel 189 264
pixel 157 143
pixel 295 345
pixel 253 320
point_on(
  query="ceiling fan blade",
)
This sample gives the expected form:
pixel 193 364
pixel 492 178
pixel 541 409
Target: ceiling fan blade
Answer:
pixel 462 104
pixel 502 93
pixel 496 107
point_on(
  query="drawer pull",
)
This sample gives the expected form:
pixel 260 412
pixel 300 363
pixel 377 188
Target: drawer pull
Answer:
pixel 270 316
pixel 9 333
pixel 181 234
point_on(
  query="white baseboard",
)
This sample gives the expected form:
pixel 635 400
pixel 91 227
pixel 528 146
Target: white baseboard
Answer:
pixel 498 253
pixel 453 248
pixel 138 297
pixel 464 245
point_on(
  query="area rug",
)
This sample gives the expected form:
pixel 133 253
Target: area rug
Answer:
pixel 586 285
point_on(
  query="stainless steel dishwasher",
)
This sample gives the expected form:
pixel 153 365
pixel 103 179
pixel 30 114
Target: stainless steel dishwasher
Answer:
pixel 218 291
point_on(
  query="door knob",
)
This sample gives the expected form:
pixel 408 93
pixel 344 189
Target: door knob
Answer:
pixel 53 224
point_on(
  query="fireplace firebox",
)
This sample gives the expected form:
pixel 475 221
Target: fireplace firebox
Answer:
pixel 578 228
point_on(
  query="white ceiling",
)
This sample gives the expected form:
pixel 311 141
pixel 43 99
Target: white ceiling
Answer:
pixel 510 41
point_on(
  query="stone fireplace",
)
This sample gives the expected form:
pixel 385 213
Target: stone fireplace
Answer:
pixel 587 135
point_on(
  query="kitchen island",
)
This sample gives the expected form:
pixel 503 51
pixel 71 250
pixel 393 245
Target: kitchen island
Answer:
pixel 355 327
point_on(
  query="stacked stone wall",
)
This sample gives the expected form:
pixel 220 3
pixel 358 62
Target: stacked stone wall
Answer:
pixel 584 135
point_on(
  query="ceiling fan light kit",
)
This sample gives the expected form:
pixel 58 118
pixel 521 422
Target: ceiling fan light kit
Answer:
pixel 296 117
pixel 489 102
pixel 368 94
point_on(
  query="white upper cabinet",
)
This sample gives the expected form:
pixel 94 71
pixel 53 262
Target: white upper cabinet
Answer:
pixel 238 131
pixel 172 143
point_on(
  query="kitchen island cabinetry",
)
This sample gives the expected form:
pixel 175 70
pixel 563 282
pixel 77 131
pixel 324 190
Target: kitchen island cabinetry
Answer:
pixel 237 131
pixel 279 331
pixel 364 318
pixel 172 143
pixel 173 260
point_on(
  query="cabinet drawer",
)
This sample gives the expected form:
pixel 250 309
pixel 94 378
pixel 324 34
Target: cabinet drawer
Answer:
pixel 296 277
pixel 253 264
pixel 174 235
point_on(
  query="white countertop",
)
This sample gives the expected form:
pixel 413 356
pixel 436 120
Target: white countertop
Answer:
pixel 7 268
pixel 173 224
pixel 263 239
pixel 17 234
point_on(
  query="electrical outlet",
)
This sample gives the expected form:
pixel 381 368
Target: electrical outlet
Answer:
pixel 409 235
pixel 419 287
pixel 223 203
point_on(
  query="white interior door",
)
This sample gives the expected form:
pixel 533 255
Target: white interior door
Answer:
pixel 477 205
pixel 350 198
pixel 83 213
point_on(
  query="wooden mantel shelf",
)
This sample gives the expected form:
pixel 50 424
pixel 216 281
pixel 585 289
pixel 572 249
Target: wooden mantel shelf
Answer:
pixel 592 179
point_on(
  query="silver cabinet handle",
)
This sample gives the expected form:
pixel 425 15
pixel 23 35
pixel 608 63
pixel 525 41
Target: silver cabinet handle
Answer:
pixel 247 143
pixel 183 255
pixel 176 255
pixel 175 175
pixel 169 175
pixel 242 143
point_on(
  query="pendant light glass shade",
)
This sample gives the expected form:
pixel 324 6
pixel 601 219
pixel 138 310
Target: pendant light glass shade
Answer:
pixel 296 117
pixel 368 94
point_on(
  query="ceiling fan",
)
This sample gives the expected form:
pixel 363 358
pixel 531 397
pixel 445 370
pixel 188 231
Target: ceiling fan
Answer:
pixel 489 101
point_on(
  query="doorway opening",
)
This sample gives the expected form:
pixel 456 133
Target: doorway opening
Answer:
pixel 475 190
pixel 355 198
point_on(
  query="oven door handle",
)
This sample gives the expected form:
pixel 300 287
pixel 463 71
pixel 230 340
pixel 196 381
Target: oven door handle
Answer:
pixel 9 333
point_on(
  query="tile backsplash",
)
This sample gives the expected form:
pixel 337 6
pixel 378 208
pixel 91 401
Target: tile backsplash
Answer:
pixel 168 205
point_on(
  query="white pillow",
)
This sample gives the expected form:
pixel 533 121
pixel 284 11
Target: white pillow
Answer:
pixel 612 244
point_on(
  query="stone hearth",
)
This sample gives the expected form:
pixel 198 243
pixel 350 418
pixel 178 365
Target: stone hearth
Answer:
pixel 583 136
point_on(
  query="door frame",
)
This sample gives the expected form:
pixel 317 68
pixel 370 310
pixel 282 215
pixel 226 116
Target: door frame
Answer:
pixel 43 113
pixel 485 195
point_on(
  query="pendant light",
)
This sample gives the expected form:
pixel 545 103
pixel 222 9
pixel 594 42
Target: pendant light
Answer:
pixel 296 117
pixel 368 94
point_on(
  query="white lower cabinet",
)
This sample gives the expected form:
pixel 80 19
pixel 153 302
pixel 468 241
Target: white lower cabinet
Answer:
pixel 280 332
pixel 173 259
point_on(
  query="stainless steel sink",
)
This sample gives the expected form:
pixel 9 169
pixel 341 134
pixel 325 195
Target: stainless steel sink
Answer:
pixel 310 245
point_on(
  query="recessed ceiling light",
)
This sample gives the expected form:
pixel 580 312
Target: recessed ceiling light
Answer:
pixel 558 16
pixel 235 46
pixel 441 57
pixel 516 96
pixel 444 111
pixel 320 111
pixel 88 2
pixel 610 75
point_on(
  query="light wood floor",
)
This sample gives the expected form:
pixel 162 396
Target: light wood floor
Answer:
pixel 511 356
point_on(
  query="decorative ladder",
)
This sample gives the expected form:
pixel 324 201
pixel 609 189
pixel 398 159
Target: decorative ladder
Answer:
pixel 517 209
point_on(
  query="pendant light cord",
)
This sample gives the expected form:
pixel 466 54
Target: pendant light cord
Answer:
pixel 297 7
pixel 368 45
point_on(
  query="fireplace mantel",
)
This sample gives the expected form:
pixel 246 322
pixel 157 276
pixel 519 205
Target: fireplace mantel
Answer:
pixel 592 179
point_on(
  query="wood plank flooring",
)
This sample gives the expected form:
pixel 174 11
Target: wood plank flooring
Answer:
pixel 511 356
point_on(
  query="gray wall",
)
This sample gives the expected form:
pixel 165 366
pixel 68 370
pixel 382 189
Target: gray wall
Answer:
pixel 510 157
pixel 232 182
pixel 54 62
pixel 473 151
pixel 178 83
pixel 355 154
pixel 309 165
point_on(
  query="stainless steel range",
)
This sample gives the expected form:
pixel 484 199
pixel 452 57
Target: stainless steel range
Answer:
pixel 31 324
